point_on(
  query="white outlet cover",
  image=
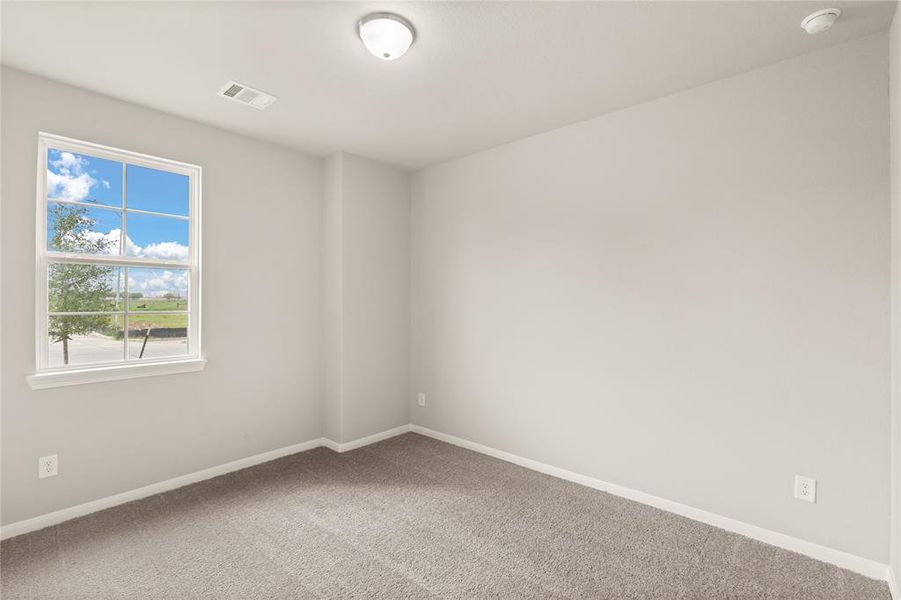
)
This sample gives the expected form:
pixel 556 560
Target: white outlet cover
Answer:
pixel 805 488
pixel 48 466
pixel 421 398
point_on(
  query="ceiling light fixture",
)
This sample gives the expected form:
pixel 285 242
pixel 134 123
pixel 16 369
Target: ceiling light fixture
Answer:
pixel 820 21
pixel 385 35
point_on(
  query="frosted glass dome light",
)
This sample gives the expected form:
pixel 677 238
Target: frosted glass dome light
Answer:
pixel 386 35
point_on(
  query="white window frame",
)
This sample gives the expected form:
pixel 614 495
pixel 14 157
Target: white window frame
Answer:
pixel 46 376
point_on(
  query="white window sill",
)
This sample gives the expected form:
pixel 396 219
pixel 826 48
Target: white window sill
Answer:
pixel 52 379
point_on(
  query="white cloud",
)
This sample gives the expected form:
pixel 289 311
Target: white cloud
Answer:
pixel 165 251
pixel 112 239
pixel 68 187
pixel 70 182
pixel 156 282
pixel 69 163
pixel 159 251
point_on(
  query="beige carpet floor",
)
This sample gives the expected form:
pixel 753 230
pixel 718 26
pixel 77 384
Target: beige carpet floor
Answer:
pixel 409 517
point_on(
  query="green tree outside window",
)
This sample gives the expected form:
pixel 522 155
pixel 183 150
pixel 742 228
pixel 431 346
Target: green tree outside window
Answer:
pixel 78 287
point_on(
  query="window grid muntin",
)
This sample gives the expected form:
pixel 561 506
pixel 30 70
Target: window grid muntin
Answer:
pixel 139 211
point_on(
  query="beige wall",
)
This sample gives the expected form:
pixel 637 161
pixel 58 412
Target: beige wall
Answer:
pixel 367 302
pixel 261 332
pixel 895 98
pixel 689 297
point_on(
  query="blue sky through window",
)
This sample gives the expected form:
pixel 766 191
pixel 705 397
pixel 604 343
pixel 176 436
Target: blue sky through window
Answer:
pixel 91 180
pixel 168 237
pixel 157 191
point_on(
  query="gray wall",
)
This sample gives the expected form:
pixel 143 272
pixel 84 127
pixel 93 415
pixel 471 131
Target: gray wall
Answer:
pixel 261 235
pixel 366 270
pixel 689 297
pixel 332 293
pixel 895 97
pixel 376 297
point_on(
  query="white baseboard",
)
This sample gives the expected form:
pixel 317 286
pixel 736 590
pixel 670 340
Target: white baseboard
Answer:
pixel 369 439
pixel 893 584
pixel 331 444
pixel 864 566
pixel 56 517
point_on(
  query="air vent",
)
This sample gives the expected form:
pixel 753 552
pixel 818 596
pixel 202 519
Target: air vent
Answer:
pixel 247 95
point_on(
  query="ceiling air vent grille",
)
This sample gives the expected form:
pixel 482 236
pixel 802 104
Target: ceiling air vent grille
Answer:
pixel 246 95
pixel 232 90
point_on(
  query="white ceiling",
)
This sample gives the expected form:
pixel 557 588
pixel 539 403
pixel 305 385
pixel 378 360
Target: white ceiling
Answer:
pixel 479 74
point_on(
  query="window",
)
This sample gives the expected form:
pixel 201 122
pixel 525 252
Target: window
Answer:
pixel 118 264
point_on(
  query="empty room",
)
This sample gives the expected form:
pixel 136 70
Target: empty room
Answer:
pixel 451 300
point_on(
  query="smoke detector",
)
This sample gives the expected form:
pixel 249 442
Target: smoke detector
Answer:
pixel 820 21
pixel 245 94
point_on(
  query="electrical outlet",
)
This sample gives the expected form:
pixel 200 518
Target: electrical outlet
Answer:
pixel 421 398
pixel 805 488
pixel 48 466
